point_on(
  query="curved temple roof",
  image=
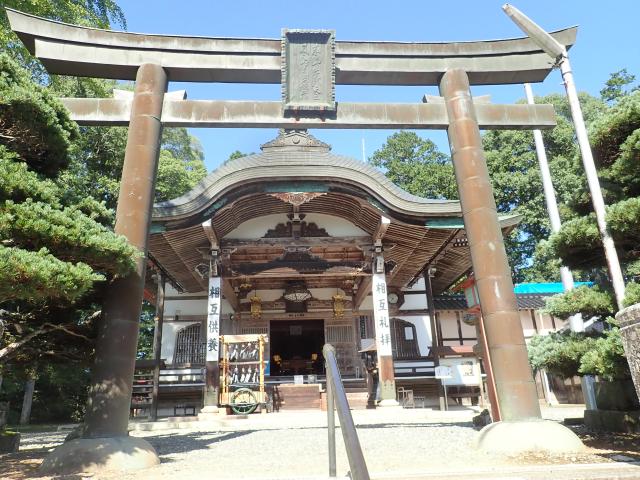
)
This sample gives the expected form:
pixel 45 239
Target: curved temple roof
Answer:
pixel 421 230
pixel 290 166
pixel 73 50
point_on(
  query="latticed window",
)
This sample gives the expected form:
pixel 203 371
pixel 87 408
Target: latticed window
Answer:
pixel 404 340
pixel 190 346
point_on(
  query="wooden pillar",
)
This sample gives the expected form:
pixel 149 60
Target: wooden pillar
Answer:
pixel 434 334
pixel 383 335
pixel 157 344
pixel 110 393
pixel 212 371
pixel 507 349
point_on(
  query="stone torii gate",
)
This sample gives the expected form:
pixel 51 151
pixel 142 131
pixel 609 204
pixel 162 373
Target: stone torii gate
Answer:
pixel 308 64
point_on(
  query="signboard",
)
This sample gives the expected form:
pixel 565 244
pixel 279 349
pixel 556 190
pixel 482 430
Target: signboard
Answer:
pixel 213 319
pixel 381 315
pixel 308 70
pixel 464 371
pixel 443 371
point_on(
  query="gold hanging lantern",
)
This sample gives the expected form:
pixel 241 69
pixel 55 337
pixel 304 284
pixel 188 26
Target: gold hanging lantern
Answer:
pixel 338 305
pixel 256 307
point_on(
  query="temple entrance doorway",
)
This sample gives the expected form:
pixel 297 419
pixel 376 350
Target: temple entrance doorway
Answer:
pixel 296 347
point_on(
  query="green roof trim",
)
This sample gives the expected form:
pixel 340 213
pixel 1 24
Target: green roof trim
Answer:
pixel 454 223
pixel 314 187
pixel 157 228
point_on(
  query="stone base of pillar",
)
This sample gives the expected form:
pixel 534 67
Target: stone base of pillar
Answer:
pixel 390 402
pixel 93 455
pixel 210 412
pixel 528 436
pixel 629 322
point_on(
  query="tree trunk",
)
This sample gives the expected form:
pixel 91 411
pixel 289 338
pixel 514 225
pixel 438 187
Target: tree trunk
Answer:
pixel 25 415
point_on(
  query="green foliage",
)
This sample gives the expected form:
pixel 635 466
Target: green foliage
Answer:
pixel 67 233
pixel 35 276
pixel 559 353
pixel 606 358
pixel 417 166
pixel 615 138
pixel 19 183
pixel 177 176
pixel 618 86
pixel 33 124
pixel 50 249
pixel 517 184
pixel 590 301
pixel 60 393
pixel 145 336
pixel 631 294
pixel 578 242
pixel 235 155
pixel 90 13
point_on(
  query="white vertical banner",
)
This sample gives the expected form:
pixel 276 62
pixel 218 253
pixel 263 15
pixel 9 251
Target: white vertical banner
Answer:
pixel 213 319
pixel 381 315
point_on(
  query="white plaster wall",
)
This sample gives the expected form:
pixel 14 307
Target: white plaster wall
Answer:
pixel 448 326
pixel 527 324
pixel 258 227
pixel 185 307
pixel 416 301
pixel 367 304
pixel 194 306
pixel 423 331
pixel 468 331
pixel 335 226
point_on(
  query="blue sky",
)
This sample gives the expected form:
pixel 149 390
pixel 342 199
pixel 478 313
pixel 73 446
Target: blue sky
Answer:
pixel 608 40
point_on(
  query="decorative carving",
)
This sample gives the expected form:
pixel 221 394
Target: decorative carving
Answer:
pixel 297 198
pixel 280 304
pixel 338 305
pixel 306 230
pixel 308 70
pixel 295 140
pixel 256 307
pixel 298 259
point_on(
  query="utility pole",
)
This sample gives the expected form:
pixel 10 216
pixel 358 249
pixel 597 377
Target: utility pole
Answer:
pixel 559 53
pixel 575 321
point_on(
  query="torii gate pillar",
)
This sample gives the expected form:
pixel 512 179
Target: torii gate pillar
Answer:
pixel 521 428
pixel 105 436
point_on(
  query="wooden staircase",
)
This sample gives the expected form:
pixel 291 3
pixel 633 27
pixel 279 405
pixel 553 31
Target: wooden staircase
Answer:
pixel 357 395
pixel 296 397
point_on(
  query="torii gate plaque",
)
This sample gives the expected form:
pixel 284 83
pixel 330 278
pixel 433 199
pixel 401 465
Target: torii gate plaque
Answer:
pixel 310 63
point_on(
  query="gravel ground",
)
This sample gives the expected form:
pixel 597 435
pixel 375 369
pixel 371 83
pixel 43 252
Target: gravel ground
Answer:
pixel 294 444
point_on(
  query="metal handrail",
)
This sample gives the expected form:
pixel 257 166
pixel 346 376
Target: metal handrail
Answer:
pixel 337 399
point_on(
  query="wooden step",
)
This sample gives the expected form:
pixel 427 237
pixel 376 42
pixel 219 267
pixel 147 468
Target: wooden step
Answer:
pixel 357 400
pixel 297 397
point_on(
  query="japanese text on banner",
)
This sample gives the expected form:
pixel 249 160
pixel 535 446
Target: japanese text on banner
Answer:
pixel 381 314
pixel 213 319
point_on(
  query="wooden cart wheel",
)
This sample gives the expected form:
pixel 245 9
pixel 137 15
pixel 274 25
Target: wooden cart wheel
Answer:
pixel 243 401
